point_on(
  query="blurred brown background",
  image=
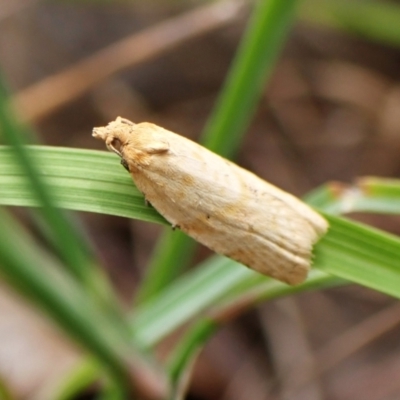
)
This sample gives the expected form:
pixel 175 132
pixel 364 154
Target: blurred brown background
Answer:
pixel 330 112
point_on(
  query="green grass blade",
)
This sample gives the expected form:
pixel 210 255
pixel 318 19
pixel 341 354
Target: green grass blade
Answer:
pixel 82 376
pixel 39 277
pixel 360 254
pixel 208 285
pixel 259 49
pixel 185 298
pixel 171 246
pixel 84 180
pixel 373 20
pixel 93 167
pixel 90 166
pixel 349 251
pixel 369 194
pixel 78 180
pixel 69 245
pixel 189 345
pixel 67 240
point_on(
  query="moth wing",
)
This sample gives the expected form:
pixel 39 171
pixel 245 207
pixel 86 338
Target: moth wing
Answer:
pixel 265 235
pixel 237 214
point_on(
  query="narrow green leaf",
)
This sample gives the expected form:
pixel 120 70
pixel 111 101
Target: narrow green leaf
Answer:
pixel 368 194
pixel 191 344
pixel 68 243
pixel 350 251
pixel 360 254
pixel 67 239
pixel 258 51
pixel 83 375
pixel 84 180
pixel 165 253
pixel 373 20
pixel 41 278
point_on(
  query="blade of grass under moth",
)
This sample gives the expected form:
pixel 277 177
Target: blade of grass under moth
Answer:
pixel 79 176
pixel 60 162
pixel 259 48
pixel 82 376
pixel 84 180
pixel 367 194
pixel 360 254
pixel 67 241
pixel 377 21
pixel 322 198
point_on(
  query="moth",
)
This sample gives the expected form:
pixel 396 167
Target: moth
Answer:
pixel 221 205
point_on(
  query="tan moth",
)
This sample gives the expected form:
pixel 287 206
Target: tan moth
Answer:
pixel 225 207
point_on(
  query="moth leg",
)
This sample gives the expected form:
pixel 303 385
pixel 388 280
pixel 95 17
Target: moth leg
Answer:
pixel 147 202
pixel 125 164
pixel 175 226
pixel 113 144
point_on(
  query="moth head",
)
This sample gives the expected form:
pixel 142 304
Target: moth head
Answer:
pixel 137 144
pixel 115 134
